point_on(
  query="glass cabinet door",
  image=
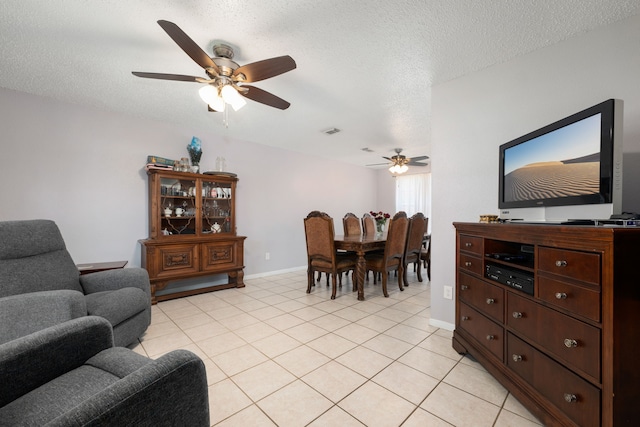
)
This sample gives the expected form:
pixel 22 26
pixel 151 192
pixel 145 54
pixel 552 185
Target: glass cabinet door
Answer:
pixel 178 208
pixel 217 215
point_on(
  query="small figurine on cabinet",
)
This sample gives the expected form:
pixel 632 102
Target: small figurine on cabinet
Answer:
pixel 215 228
pixel 167 211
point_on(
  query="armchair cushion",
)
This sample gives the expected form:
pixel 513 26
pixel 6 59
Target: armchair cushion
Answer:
pixel 71 375
pixel 33 360
pixel 112 280
pixel 24 314
pixel 117 306
pixel 45 272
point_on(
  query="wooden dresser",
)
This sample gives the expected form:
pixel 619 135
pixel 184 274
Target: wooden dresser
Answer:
pixel 553 312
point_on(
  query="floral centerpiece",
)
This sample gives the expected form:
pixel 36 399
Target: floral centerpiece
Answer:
pixel 195 151
pixel 381 219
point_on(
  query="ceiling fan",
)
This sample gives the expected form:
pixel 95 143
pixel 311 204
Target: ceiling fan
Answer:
pixel 400 164
pixel 225 81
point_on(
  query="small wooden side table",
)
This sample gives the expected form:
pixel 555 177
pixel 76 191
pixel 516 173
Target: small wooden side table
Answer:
pixel 100 266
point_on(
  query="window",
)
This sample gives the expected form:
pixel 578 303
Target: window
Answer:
pixel 413 194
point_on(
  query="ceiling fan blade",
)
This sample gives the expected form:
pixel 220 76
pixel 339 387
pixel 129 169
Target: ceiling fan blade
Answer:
pixel 378 164
pixel 265 69
pixel 211 110
pixel 264 97
pixel 412 163
pixel 388 158
pixel 161 76
pixel 416 159
pixel 188 45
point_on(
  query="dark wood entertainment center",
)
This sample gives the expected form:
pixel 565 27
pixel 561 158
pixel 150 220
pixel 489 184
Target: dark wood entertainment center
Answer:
pixel 567 349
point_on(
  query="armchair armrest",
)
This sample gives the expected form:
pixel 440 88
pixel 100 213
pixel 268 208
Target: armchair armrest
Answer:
pixel 111 280
pixel 26 362
pixel 141 397
pixel 24 314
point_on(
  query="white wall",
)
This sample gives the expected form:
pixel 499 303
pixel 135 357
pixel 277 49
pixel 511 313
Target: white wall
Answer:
pixel 475 114
pixel 84 169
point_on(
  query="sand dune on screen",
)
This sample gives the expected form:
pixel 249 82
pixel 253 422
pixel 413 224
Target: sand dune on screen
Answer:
pixel 552 179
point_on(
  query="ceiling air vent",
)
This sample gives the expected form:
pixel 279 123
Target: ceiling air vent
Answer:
pixel 367 150
pixel 331 131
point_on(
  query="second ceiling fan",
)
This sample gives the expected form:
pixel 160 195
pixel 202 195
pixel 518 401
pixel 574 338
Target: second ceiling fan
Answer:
pixel 225 81
pixel 400 163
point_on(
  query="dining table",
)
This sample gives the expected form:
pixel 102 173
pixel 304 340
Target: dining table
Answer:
pixel 360 244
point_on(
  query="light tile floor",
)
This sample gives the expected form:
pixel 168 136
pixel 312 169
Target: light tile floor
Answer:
pixel 277 356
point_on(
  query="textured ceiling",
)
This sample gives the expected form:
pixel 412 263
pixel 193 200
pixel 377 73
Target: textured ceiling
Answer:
pixel 365 67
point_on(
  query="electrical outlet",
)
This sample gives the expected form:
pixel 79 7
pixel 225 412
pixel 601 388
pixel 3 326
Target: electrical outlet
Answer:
pixel 448 292
pixel 267 255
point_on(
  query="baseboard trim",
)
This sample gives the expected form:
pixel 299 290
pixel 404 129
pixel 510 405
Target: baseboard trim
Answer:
pixel 442 325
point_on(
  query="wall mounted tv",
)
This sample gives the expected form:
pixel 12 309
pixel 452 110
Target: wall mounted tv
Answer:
pixel 570 169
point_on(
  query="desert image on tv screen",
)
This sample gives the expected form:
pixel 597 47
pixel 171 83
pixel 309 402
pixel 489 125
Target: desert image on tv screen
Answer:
pixel 561 163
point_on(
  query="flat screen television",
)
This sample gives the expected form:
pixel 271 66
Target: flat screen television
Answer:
pixel 570 169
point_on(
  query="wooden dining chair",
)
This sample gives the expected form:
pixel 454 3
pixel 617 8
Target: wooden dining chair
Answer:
pixel 413 246
pixel 425 252
pixel 369 229
pixel 368 224
pixel 392 258
pixel 321 252
pixel 425 256
pixel 351 224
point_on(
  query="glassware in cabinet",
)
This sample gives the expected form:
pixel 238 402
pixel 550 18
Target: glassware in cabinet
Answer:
pixel 177 209
pixel 217 207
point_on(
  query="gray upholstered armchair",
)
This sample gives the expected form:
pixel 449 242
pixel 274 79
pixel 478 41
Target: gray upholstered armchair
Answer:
pixel 70 374
pixel 34 258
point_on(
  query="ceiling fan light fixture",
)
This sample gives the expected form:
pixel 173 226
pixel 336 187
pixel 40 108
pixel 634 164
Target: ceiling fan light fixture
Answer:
pixel 208 93
pixel 398 169
pixel 218 104
pixel 232 97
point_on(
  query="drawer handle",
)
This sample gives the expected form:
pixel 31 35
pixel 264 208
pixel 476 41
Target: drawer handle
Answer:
pixel 468 244
pixel 561 295
pixel 569 343
pixel 561 263
pixel 516 358
pixel 464 287
pixel 517 315
pixel 491 337
pixel 467 264
pixel 490 301
pixel 570 398
pixel 465 318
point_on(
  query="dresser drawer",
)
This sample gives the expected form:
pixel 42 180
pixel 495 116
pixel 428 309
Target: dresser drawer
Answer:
pixel 583 266
pixel 576 299
pixel 470 263
pixel 566 338
pixel 487 298
pixel 471 244
pixel 222 255
pixel 574 396
pixel 488 333
pixel 176 259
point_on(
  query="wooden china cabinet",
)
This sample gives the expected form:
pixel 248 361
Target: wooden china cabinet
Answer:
pixel 192 231
pixel 551 311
